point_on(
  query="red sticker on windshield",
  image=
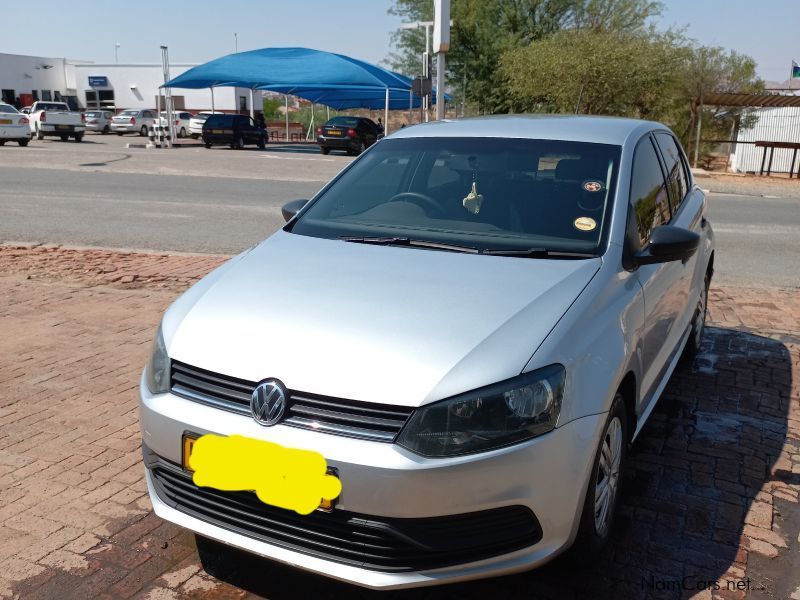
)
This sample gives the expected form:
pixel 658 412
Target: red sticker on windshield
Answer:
pixel 592 186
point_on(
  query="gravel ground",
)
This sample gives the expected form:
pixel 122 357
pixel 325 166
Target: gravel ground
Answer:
pixel 749 185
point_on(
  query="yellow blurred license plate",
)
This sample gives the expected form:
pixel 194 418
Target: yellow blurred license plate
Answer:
pixel 63 127
pixel 217 131
pixel 5 121
pixel 189 440
pixel 335 133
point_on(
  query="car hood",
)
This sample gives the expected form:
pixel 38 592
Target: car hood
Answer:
pixel 397 325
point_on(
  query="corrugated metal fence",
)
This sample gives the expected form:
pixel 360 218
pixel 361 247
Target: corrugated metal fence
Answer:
pixel 774 125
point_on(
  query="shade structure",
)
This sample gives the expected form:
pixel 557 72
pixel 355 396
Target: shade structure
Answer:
pixel 335 80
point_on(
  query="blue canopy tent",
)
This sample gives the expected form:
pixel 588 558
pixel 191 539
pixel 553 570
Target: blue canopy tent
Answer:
pixel 326 78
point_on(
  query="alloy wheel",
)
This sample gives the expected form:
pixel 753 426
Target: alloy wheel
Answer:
pixel 607 480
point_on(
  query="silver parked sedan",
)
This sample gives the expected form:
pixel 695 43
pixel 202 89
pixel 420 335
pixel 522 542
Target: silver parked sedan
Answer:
pixel 470 323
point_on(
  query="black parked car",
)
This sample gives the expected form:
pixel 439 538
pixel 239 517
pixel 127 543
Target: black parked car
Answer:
pixel 353 134
pixel 235 130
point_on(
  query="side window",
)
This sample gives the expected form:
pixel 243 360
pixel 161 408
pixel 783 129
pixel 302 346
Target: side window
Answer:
pixel 676 169
pixel 649 196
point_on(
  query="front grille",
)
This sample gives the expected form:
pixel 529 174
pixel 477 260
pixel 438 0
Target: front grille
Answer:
pixel 370 542
pixel 351 418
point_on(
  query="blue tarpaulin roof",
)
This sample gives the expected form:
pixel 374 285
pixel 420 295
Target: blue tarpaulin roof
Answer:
pixel 332 79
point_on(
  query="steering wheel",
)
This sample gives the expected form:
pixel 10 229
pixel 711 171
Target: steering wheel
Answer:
pixel 426 202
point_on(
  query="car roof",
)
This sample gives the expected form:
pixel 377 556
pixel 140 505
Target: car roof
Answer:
pixel 576 128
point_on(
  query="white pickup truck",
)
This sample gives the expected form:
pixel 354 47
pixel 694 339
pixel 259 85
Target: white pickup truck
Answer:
pixel 55 118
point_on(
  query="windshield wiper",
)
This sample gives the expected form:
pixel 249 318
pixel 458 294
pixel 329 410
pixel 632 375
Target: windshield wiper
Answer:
pixel 404 241
pixel 540 253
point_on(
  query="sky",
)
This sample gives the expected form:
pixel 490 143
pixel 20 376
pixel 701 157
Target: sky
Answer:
pixel 202 30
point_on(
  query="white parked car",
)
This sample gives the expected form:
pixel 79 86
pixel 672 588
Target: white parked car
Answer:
pixel 181 118
pixel 98 120
pixel 56 119
pixel 133 120
pixel 196 123
pixel 13 126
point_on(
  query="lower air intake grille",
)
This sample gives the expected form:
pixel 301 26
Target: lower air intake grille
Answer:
pixel 376 543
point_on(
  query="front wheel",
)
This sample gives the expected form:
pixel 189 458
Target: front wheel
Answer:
pixel 324 150
pixel 262 142
pixel 23 142
pixel 698 322
pixel 64 138
pixel 39 134
pixel 602 494
pixel 208 145
pixel 79 137
pixel 238 143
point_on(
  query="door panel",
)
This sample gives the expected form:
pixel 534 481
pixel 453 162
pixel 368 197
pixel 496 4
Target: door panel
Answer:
pixel 660 282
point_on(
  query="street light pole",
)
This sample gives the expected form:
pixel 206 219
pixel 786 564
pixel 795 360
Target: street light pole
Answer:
pixel 425 71
pixel 441 44
pixel 236 42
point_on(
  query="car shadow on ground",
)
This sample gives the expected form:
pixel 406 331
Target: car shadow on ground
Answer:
pixel 692 476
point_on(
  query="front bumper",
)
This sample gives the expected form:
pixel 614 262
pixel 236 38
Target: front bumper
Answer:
pixel 547 476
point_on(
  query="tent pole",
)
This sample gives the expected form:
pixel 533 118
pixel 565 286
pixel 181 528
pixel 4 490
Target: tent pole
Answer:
pixel 311 124
pixel 286 97
pixel 252 104
pixel 386 115
pixel 410 105
pixel 212 98
pixel 328 108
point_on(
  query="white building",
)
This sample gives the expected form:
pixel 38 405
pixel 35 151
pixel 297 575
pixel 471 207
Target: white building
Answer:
pixel 773 125
pixel 137 86
pixel 25 79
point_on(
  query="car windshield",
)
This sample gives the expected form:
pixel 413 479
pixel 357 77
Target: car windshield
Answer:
pixel 343 122
pixel 5 108
pixel 128 113
pixel 91 113
pixel 201 116
pixel 489 194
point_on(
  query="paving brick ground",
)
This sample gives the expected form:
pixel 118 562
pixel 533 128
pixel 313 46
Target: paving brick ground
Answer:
pixel 712 483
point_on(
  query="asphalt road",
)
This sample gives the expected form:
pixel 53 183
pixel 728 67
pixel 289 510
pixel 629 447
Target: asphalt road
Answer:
pixel 219 215
pixel 757 238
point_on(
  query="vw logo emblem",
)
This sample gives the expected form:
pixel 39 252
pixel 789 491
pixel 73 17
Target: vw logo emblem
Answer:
pixel 268 402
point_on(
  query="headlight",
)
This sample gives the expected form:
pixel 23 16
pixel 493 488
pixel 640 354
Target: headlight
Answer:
pixel 157 371
pixel 491 417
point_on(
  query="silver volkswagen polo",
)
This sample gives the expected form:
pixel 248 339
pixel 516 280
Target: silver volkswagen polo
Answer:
pixel 471 323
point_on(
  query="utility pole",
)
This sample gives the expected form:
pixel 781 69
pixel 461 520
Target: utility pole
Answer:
pixel 116 52
pixel 441 44
pixel 236 42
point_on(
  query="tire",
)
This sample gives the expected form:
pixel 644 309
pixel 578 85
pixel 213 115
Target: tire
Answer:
pixel 64 138
pixel 262 142
pixel 106 130
pixel 182 132
pixel 22 142
pixel 79 138
pixel 208 145
pixel 361 148
pixel 237 143
pixel 195 136
pixel 597 517
pixel 3 142
pixel 698 322
pixel 39 134
pixel 324 150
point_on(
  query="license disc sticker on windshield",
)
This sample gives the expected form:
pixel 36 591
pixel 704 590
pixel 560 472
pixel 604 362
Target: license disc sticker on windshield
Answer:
pixel 592 186
pixel 585 223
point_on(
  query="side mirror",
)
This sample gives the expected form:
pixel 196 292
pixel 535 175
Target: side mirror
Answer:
pixel 290 209
pixel 668 243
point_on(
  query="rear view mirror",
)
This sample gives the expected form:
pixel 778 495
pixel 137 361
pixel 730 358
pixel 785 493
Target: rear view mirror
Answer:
pixel 290 209
pixel 668 243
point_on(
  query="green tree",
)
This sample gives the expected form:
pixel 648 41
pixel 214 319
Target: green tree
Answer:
pixel 271 108
pixel 484 30
pixel 709 70
pixel 595 72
